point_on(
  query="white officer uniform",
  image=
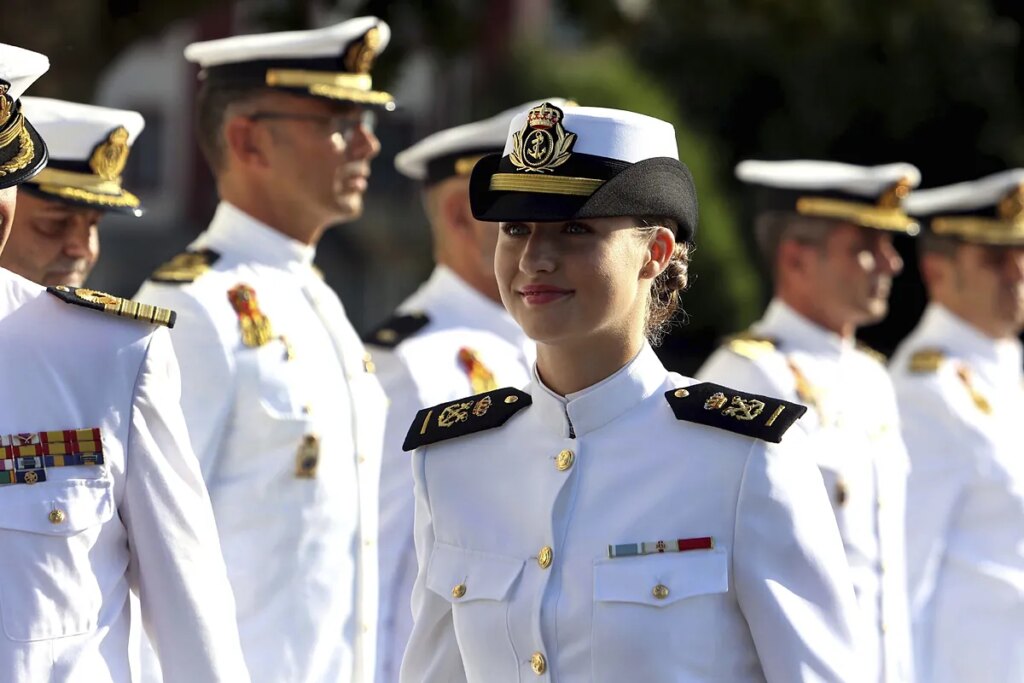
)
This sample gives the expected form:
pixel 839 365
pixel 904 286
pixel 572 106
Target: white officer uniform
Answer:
pixel 447 340
pixel 615 534
pixel 852 423
pixel 961 398
pixel 284 411
pixel 99 490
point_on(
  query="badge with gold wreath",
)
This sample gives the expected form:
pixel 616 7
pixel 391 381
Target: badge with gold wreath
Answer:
pixel 542 144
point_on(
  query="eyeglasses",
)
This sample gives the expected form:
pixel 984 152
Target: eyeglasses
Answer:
pixel 345 125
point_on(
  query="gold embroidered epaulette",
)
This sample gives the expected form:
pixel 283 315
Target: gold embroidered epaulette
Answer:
pixel 465 416
pixel 750 345
pixel 125 308
pixel 761 417
pixel 926 360
pixel 185 268
pixel 395 330
pixel 874 355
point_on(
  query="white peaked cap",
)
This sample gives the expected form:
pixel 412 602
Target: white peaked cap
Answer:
pixel 20 68
pixel 964 197
pixel 479 138
pixel 314 43
pixel 822 176
pixel 611 133
pixel 72 130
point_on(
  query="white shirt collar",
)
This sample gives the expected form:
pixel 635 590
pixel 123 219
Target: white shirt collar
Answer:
pixel 795 332
pixel 600 404
pixel 998 359
pixel 448 298
pixel 232 231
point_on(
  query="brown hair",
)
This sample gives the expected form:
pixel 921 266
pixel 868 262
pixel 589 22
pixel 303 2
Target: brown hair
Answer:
pixel 667 288
pixel 212 105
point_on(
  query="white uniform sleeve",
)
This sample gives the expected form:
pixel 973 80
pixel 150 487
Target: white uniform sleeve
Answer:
pixel 207 371
pixel 433 653
pixel 943 451
pixel 186 599
pixel 397 556
pixel 790 571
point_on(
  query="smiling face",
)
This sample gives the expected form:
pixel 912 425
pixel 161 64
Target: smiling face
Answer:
pixel 51 242
pixel 576 281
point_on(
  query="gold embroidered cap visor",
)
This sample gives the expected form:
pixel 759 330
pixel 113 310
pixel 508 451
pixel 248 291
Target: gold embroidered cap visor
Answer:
pixel 82 188
pixel 585 186
pixel 22 151
pixel 985 230
pixel 841 206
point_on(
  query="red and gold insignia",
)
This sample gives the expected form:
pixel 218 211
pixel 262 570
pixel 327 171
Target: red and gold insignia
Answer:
pixel 542 144
pixel 480 377
pixel 255 327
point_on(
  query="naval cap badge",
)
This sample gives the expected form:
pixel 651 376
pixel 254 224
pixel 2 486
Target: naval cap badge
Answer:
pixel 542 144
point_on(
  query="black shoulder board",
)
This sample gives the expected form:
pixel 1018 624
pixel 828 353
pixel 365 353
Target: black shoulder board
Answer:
pixel 465 416
pixel 395 330
pixel 125 308
pixel 185 268
pixel 761 417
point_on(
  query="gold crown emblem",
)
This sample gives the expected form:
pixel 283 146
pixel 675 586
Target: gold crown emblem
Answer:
pixel 360 55
pixel 110 156
pixel 1011 207
pixel 894 196
pixel 542 144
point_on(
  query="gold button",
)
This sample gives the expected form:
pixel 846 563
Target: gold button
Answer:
pixel 545 556
pixel 660 591
pixel 681 393
pixel 56 516
pixel 459 591
pixel 31 477
pixel 565 460
pixel 511 399
pixel 538 663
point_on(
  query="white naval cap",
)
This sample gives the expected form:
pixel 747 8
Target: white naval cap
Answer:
pixel 454 151
pixel 866 195
pixel 585 162
pixel 89 148
pixel 22 152
pixel 332 62
pixel 989 210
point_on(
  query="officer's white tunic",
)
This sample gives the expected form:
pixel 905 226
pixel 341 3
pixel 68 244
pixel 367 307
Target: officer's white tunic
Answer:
pixel 854 430
pixel 965 505
pixel 771 602
pixel 424 370
pixel 72 545
pixel 300 552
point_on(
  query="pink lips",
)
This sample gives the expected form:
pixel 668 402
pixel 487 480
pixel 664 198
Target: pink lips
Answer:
pixel 543 294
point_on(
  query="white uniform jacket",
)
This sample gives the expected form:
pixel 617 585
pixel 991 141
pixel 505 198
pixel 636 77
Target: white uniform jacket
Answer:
pixel 288 424
pixel 466 341
pixel 514 524
pixel 961 404
pixel 854 429
pixel 74 537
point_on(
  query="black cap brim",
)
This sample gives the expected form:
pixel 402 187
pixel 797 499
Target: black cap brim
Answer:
pixel 30 167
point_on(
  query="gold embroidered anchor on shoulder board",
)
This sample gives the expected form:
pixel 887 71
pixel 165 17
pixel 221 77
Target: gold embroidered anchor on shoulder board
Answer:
pixel 714 405
pixel 465 416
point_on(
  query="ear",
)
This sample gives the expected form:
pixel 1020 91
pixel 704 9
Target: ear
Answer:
pixel 935 268
pixel 455 211
pixel 244 141
pixel 791 257
pixel 660 248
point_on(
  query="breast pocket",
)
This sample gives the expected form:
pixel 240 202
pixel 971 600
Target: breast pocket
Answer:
pixel 478 586
pixel 49 573
pixel 282 384
pixel 658 614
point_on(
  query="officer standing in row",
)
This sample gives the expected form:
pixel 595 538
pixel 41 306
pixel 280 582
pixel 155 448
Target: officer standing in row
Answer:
pixel 282 407
pixel 451 338
pixel 99 489
pixel 826 230
pixel 55 238
pixel 612 521
pixel 961 397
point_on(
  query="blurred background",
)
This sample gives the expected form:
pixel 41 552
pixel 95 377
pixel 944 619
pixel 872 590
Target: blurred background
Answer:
pixel 934 82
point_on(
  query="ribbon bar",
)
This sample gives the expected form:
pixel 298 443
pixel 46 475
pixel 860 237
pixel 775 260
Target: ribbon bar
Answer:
pixel 653 547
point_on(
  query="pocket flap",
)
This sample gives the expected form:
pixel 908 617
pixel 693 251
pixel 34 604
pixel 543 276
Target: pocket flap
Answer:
pixel 461 575
pixel 57 508
pixel 662 579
